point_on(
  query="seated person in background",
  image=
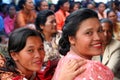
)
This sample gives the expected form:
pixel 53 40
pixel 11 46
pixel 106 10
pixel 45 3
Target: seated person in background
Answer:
pixel 46 24
pixel 116 24
pixel 111 55
pixel 42 5
pixel 26 15
pixel 61 12
pixel 10 19
pixel 101 10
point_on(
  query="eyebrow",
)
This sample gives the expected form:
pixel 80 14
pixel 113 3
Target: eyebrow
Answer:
pixel 31 46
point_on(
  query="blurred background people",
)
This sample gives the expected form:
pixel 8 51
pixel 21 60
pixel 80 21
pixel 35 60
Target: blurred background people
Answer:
pixel 62 12
pixel 26 14
pixel 73 7
pixel 111 55
pixel 52 7
pixel 116 24
pixel 3 10
pixel 91 5
pixel 42 5
pixel 10 19
pixel 101 10
pixel 46 25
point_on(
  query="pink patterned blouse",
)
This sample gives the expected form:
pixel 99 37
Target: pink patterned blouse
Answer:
pixel 94 70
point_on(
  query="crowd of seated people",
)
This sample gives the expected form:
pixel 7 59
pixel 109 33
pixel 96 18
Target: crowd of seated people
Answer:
pixel 49 20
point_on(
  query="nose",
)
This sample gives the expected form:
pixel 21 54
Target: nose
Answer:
pixel 96 36
pixel 37 54
pixel 105 33
pixel 54 23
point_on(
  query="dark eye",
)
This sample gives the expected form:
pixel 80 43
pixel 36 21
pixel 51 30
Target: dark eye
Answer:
pixel 89 33
pixel 101 30
pixel 41 48
pixel 53 21
pixel 30 50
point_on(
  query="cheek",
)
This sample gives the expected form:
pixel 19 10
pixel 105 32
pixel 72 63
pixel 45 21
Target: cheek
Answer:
pixel 42 56
pixel 84 42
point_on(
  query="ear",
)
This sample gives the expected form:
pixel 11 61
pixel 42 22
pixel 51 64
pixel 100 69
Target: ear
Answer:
pixel 38 8
pixel 14 55
pixel 42 27
pixel 23 6
pixel 71 40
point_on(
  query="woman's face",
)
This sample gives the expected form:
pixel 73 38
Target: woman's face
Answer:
pixel 65 6
pixel 76 7
pixel 44 5
pixel 50 25
pixel 88 39
pixel 107 30
pixel 52 7
pixel 30 58
pixel 12 11
pixel 101 7
pixel 29 5
pixel 112 16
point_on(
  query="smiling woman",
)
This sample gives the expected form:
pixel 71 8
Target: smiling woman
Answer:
pixel 82 38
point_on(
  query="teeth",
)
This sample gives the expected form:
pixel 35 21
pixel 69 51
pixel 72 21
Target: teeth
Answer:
pixel 97 45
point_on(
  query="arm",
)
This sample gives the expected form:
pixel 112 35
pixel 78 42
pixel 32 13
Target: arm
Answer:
pixel 59 21
pixel 20 20
pixel 71 71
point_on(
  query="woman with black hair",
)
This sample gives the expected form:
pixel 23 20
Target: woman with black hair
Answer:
pixel 26 55
pixel 82 38
pixel 61 12
pixel 116 24
pixel 42 5
pixel 26 15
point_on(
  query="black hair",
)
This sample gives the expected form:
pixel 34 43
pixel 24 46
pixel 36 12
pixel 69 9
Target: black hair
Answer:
pixel 72 5
pixel 51 4
pixel 101 3
pixel 9 6
pixel 2 6
pixel 106 20
pixel 38 4
pixel 109 11
pixel 42 18
pixel 17 41
pixel 21 3
pixel 60 3
pixel 71 26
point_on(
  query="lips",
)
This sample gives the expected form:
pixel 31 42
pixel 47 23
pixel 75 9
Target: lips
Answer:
pixel 98 45
pixel 38 62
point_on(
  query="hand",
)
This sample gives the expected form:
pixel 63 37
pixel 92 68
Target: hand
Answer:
pixel 70 69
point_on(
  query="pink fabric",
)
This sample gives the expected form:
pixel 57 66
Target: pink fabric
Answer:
pixel 9 24
pixel 94 70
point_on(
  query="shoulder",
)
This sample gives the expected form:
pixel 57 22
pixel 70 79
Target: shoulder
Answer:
pixel 96 70
pixel 20 13
pixel 114 44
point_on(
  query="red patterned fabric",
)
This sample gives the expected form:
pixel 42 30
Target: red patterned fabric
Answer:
pixel 47 74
